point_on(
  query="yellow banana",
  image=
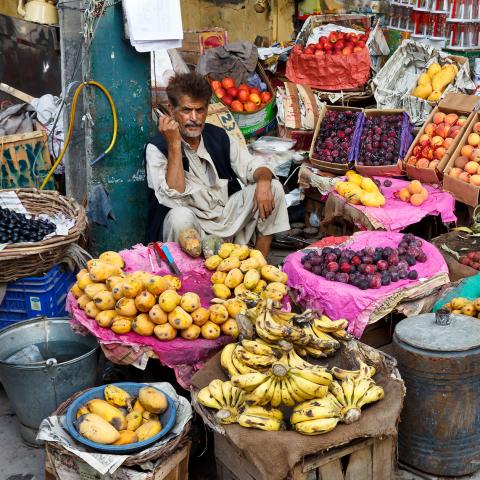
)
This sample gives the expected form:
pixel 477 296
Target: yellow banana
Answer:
pixel 249 381
pixel 367 371
pixel 341 374
pixel 315 352
pixel 362 385
pixel 326 325
pixel 261 394
pixel 315 341
pixel 263 423
pixel 317 426
pixel 281 316
pixel 326 337
pixel 215 388
pixel 342 335
pixel 321 378
pixel 95 428
pixel 262 330
pixel 300 350
pixel 241 367
pixel 313 413
pixel 117 396
pixel 374 394
pixel 337 392
pixel 227 416
pixel 293 392
pixel 205 398
pixel 226 359
pixel 277 393
pixel 347 387
pixel 108 412
pixel 287 399
pixel 259 348
pixel 268 412
pixel 227 388
pixel 333 400
pixel 253 360
pixel 295 361
pixel 238 397
pixel 310 389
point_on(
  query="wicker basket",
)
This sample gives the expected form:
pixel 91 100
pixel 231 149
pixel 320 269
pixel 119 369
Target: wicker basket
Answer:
pixel 24 259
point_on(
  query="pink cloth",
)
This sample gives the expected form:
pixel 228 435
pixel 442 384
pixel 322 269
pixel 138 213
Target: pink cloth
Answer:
pixel 340 300
pixel 396 215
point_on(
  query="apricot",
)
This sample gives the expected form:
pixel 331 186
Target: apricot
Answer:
pixel 439 117
pixel 465 177
pixel 475 180
pixel 471 167
pixel 474 139
pixel 423 163
pixel 414 187
pixel 447 142
pixel 424 193
pixel 434 164
pixel 439 153
pixel 430 129
pixel 416 199
pixel 424 139
pixel 437 140
pixel 404 195
pixel 412 160
pixel 461 161
pixel 451 118
pixel 475 156
pixel 455 172
pixel 466 151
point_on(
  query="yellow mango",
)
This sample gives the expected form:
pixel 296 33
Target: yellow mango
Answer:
pixel 153 400
pixel 169 300
pixel 218 277
pixel 108 412
pixel 424 79
pixel 271 273
pixel 142 276
pixel 234 277
pixel 92 289
pixel 146 415
pixel 284 276
pixel 157 315
pixel 249 264
pixel 230 327
pixel 423 91
pixel 83 300
pixel 114 280
pixel 138 407
pixel 251 279
pixel 157 285
pixel 91 310
pixel 221 291
pixel 225 250
pixel 240 289
pixel 144 301
pixel 277 286
pixel 242 252
pixel 260 286
pixel 218 314
pixel 210 330
pixel 469 310
pixel 272 294
pixel 458 303
pixel 105 318
pixel 190 302
pixel 101 271
pixel 200 316
pixel 104 300
pixel 126 307
pixel 143 325
pixel 235 306
pixel 148 429
pixel 369 185
pixel 95 428
pixel 434 96
pixel 121 325
pixel 131 287
pixel 258 255
pixel 165 332
pixel 77 292
pixel 433 69
pixel 81 273
pixel 179 319
pixel 113 258
pixel 117 291
pixel 442 79
pixel 211 263
pixel 83 410
pixel 134 418
pixel 229 264
pixel 372 199
pixel 175 282
pixel 126 437
pixel 191 333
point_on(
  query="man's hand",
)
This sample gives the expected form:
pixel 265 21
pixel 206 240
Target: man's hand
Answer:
pixel 263 199
pixel 169 128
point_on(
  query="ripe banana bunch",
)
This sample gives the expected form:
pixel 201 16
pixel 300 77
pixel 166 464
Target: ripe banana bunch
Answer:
pixel 316 416
pixel 357 388
pixel 224 397
pixel 264 418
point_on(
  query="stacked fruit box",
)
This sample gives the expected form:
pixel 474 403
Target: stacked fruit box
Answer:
pixel 385 139
pixel 446 122
pixel 336 139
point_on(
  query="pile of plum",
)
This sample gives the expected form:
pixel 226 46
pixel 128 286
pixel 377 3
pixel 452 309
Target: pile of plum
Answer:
pixel 17 227
pixel 370 267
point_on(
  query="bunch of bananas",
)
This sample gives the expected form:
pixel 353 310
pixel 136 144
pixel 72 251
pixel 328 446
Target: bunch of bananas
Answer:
pixel 224 397
pixel 356 389
pixel 244 272
pixel 316 416
pixel 264 418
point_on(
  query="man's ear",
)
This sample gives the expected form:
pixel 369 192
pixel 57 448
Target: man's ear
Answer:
pixel 170 109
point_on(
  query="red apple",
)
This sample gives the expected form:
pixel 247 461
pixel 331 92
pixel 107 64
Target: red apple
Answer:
pixel 243 94
pixel 228 82
pixel 319 47
pixel 451 118
pixel 439 153
pixel 357 49
pixel 347 50
pixel 244 86
pixel 255 98
pixel 227 99
pixel 266 97
pixel 319 52
pixel 447 142
pixel 333 37
pixel 340 35
pixel 250 107
pixel 328 48
pixel 233 92
pixel 439 117
pixel 340 44
pixel 216 85
pixel 361 44
pixel 310 50
pixel 220 92
pixel 236 106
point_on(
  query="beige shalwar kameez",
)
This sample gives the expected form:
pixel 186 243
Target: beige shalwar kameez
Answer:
pixel 205 204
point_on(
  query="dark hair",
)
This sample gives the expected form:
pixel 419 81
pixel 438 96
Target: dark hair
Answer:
pixel 192 84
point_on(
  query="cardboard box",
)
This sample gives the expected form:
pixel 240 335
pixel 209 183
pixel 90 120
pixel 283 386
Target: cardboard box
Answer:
pixel 196 42
pixel 453 103
pixel 388 170
pixel 221 116
pixel 338 169
pixel 462 191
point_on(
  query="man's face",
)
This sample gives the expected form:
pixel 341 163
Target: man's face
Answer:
pixel 190 115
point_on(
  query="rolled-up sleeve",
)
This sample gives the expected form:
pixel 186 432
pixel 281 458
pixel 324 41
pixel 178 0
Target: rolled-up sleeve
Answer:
pixel 243 163
pixel 157 180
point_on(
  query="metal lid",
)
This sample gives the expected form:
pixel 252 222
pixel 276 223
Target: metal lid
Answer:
pixel 461 333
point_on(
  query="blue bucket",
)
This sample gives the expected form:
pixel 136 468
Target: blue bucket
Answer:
pixel 167 419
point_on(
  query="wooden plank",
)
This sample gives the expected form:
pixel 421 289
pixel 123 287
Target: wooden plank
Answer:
pixel 324 458
pixel 360 465
pixel 182 471
pixel 21 137
pixel 25 97
pixel 383 462
pixel 298 474
pixel 332 471
pixel 165 470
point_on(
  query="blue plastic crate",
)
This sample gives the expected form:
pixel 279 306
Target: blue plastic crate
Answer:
pixel 36 296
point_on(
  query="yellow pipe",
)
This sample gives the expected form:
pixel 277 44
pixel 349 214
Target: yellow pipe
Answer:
pixel 69 133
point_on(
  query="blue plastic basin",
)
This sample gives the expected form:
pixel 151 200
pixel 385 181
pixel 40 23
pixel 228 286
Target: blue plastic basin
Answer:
pixel 167 419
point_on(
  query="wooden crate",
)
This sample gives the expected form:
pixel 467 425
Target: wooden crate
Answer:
pixel 174 467
pixel 362 459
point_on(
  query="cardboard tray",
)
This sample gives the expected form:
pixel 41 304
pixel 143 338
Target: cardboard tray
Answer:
pixel 407 137
pixel 462 191
pixel 453 103
pixel 336 168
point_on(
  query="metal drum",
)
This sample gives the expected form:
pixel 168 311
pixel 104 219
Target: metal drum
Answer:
pixel 35 389
pixel 439 359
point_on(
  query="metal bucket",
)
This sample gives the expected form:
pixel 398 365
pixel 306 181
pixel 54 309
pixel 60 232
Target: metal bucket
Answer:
pixel 36 389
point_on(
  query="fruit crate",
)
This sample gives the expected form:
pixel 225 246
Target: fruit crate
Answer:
pixel 330 167
pixel 453 103
pixel 366 459
pixel 395 169
pixel 36 296
pixel 464 192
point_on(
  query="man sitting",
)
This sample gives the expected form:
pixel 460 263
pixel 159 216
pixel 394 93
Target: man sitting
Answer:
pixel 193 173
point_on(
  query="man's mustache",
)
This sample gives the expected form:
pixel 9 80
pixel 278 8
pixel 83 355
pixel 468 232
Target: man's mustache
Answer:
pixel 193 124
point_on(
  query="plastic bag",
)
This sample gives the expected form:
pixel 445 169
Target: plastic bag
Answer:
pixel 26 356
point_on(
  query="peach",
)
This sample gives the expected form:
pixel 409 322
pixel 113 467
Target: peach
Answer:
pixel 439 117
pixel 475 180
pixel 404 195
pixel 427 152
pixel 424 193
pixel 412 160
pixel 434 164
pixel 416 199
pixel 414 187
pixel 471 167
pixel 417 150
pixel 462 120
pixel 439 153
pixel 455 172
pixel 447 142
pixel 473 139
pixel 465 177
pixel 430 129
pixel 476 127
pixel 443 130
pixel 437 140
pixel 423 163
pixel 424 139
pixel 454 134
pixel 460 162
pixel 466 151
pixel 475 156
pixel 451 118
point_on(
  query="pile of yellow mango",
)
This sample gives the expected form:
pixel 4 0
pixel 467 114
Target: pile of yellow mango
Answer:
pixel 432 83
pixel 464 306
pixel 148 304
pixel 358 190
